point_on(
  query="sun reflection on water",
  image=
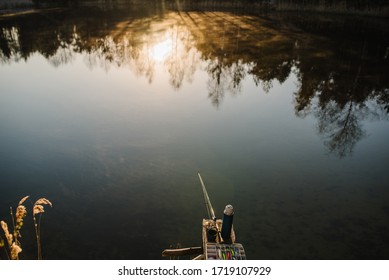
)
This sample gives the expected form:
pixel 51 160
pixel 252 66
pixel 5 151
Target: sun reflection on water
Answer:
pixel 162 49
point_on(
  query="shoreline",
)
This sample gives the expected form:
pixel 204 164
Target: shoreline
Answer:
pixel 281 8
pixel 334 10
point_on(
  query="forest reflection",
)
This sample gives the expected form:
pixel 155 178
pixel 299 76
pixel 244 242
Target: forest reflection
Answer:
pixel 342 75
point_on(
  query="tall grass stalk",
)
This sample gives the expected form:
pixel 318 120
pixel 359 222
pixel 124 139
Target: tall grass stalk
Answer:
pixel 38 209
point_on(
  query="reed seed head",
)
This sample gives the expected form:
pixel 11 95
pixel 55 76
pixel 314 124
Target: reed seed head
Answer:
pixel 15 250
pixel 6 232
pixel 38 206
pixel 37 209
pixel 23 200
pixel 43 201
pixel 21 212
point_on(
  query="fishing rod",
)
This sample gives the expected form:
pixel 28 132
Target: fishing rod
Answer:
pixel 211 212
pixel 223 233
pixel 218 236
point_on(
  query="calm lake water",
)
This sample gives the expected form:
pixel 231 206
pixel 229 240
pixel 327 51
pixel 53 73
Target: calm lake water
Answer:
pixel 111 114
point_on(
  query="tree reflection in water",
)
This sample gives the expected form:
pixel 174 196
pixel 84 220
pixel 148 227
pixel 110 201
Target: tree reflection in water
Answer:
pixel 342 78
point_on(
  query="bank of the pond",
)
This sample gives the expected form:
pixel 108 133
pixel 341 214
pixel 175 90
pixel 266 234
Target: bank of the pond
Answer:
pixel 340 9
pixel 15 7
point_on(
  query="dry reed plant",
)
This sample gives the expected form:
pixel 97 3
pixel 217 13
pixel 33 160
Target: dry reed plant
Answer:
pixel 13 242
pixel 38 209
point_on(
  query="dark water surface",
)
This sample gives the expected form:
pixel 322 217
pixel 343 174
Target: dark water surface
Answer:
pixel 110 115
